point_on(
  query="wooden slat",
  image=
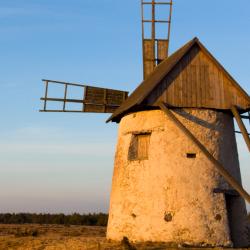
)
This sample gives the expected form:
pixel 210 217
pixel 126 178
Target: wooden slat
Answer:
pixel 92 108
pixel 198 82
pixel 143 145
pixel 189 83
pixel 62 100
pixel 148 57
pixel 84 97
pixel 102 96
pixel 46 95
pixel 230 179
pixel 162 50
pixel 65 96
pixel 210 83
pixel 241 126
pixel 194 85
pixel 193 68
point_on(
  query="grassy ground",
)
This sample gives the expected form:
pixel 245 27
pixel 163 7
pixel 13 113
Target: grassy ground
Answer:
pixel 55 237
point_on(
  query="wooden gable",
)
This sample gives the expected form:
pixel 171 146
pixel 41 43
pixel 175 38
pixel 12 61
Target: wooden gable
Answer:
pixel 199 81
pixel 190 77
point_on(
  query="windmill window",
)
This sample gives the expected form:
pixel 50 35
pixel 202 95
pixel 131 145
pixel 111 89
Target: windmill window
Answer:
pixel 139 147
pixel 191 155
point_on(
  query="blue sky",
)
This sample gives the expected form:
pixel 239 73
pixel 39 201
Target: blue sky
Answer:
pixel 64 162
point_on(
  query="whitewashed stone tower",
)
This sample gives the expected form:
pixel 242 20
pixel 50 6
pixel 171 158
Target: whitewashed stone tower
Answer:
pixel 167 185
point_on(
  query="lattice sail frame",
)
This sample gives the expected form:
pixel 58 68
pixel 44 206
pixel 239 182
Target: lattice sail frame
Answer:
pixel 155 48
pixel 94 99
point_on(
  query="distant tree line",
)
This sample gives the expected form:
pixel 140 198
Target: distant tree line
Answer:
pixel 96 219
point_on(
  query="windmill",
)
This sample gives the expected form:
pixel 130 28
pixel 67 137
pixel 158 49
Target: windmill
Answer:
pixel 176 171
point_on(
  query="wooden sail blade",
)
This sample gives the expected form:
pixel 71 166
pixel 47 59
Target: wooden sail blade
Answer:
pixel 241 125
pixel 154 43
pixel 228 177
pixel 94 99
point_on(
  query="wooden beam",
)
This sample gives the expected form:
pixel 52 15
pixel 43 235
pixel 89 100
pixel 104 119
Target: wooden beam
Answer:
pixel 247 117
pixel 241 125
pixel 230 179
pixel 238 132
pixel 46 94
pixel 65 96
pixel 231 192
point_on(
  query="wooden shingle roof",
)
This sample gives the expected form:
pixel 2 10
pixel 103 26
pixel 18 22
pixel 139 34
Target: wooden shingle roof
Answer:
pixel 139 97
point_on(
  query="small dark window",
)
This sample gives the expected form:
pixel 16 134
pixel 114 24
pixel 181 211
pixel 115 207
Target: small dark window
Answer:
pixel 191 155
pixel 138 149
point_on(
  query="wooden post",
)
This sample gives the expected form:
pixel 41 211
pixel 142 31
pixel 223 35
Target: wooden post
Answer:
pixel 153 31
pixel 241 126
pixel 84 98
pixel 46 95
pixel 65 96
pixel 169 20
pixel 210 157
pixel 105 101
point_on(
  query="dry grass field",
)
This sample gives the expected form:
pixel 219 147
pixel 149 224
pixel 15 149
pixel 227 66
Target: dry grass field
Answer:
pixel 55 237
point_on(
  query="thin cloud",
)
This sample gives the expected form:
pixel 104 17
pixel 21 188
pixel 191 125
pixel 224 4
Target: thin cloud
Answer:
pixel 20 11
pixel 31 10
pixel 88 149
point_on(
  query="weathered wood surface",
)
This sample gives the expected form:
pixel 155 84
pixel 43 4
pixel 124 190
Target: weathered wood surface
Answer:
pixel 197 81
pixel 148 57
pixel 94 100
pixel 162 49
pixel 237 186
pixel 155 44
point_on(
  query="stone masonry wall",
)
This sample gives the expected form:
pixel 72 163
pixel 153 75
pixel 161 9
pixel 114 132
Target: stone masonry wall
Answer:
pixel 169 197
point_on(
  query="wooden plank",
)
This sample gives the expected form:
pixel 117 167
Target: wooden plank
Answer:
pixel 84 96
pixel 203 83
pixel 65 96
pixel 184 84
pixel 241 126
pixel 62 100
pixel 230 179
pixel 193 67
pixel 92 108
pixel 194 86
pixel 177 89
pixel 162 50
pixel 221 90
pixel 143 145
pixel 189 81
pixel 198 84
pixel 208 102
pixel 149 47
pixel 102 96
pixel 227 99
pixel 148 57
pixel 46 95
pixel 210 81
